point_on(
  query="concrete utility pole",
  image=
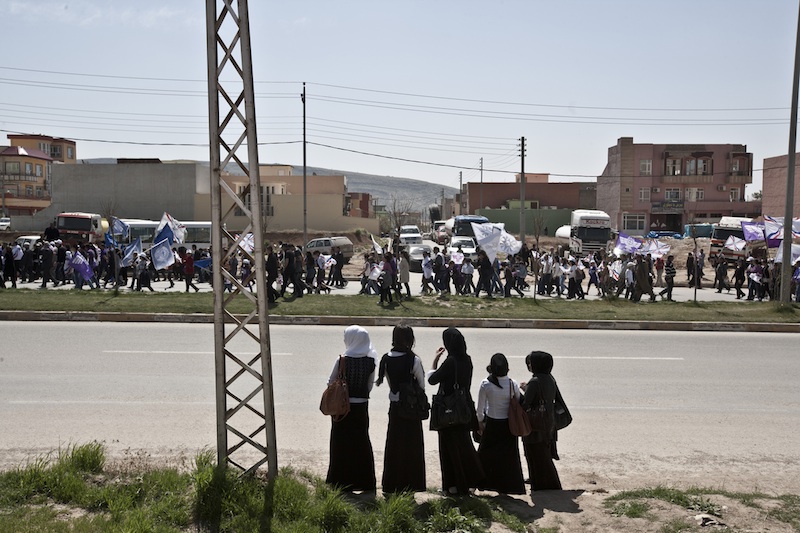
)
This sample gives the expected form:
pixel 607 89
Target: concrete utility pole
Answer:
pixel 305 172
pixel 460 192
pixel 786 266
pixel 522 182
pixel 245 403
pixel 481 195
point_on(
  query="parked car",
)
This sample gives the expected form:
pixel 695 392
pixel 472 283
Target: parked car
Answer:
pixel 409 235
pixel 467 245
pixel 415 252
pixel 5 223
pixel 324 245
pixel 30 239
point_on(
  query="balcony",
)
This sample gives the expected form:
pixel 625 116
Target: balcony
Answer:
pixel 739 177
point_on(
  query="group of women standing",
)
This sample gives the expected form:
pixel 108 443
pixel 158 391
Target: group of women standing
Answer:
pixel 495 465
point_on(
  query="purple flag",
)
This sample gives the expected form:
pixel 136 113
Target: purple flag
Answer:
pixel 628 244
pixel 753 231
pixel 81 266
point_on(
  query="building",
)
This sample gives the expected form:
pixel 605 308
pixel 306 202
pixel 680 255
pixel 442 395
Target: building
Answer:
pixel 539 192
pixel 25 180
pixel 774 186
pixel 60 150
pixel 646 187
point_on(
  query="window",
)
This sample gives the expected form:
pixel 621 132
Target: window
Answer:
pixel 673 167
pixel 694 194
pixel 28 169
pixel 39 170
pixel 633 222
pixel 29 190
pixel 672 194
pixel 735 194
pixel 70 152
pixel 44 147
pixel 55 151
pixel 39 192
pixel 12 167
pixel 691 167
pixel 645 167
pixel 644 194
pixel 704 167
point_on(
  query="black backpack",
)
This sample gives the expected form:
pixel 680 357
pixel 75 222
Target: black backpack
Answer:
pixel 413 404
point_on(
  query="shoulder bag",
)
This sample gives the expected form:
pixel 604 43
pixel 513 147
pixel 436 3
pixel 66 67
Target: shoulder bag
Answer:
pixel 518 422
pixel 538 415
pixel 563 417
pixel 336 398
pixel 448 410
pixel 413 404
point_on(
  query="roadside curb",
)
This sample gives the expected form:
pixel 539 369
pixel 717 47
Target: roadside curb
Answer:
pixel 305 320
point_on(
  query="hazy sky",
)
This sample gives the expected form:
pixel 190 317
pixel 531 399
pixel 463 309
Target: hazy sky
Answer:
pixel 440 82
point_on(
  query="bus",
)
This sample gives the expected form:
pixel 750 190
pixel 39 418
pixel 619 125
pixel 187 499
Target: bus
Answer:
pixel 198 233
pixel 75 227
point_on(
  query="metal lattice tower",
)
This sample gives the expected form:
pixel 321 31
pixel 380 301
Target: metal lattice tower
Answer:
pixel 245 406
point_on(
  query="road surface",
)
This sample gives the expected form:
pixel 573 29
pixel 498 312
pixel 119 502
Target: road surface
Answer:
pixel 704 408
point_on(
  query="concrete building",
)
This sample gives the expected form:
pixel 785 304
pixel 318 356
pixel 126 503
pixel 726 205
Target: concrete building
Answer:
pixel 60 150
pixel 665 186
pixel 24 181
pixel 774 186
pixel 539 192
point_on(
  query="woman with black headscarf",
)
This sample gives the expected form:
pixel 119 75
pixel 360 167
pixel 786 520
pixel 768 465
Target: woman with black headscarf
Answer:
pixel 352 466
pixel 461 467
pixel 499 449
pixel 404 455
pixel 540 445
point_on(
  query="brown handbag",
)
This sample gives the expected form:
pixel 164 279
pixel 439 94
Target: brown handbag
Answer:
pixel 336 398
pixel 518 422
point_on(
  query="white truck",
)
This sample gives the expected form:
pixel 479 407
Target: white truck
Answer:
pixel 726 227
pixel 590 231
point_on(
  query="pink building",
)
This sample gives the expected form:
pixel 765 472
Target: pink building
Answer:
pixel 774 187
pixel 646 187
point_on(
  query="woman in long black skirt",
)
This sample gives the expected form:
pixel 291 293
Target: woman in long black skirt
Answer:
pixel 404 456
pixel 461 467
pixel 540 446
pixel 499 449
pixel 352 466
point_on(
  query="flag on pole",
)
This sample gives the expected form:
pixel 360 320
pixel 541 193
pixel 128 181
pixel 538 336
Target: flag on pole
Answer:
pixel 165 234
pixel 80 265
pixel 735 243
pixel 247 243
pixel 178 229
pixel 118 227
pixel 488 237
pixel 131 252
pixel 626 244
pixel 161 255
pixel 753 231
pixel 375 246
pixel 109 241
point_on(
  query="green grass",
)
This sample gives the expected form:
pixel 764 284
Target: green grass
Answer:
pixel 71 490
pixel 427 306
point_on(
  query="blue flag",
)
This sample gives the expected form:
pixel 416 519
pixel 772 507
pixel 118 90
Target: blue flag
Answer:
pixel 131 252
pixel 110 242
pixel 162 255
pixel 165 234
pixel 118 227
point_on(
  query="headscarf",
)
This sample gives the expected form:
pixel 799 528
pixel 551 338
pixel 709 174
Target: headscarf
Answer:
pixel 402 341
pixel 454 343
pixel 498 368
pixel 357 343
pixel 539 362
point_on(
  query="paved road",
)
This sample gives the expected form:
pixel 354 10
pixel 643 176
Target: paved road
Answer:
pixel 649 406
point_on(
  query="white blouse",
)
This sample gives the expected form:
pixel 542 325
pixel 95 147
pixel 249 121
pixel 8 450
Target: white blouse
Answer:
pixel 493 400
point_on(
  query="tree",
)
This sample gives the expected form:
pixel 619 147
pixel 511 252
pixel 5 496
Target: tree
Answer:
pixel 757 195
pixel 396 209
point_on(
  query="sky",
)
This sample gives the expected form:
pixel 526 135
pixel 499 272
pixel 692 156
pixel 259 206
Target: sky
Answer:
pixel 415 89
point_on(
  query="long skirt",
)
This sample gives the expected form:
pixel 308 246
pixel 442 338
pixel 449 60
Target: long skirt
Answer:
pixel 499 453
pixel 541 469
pixel 461 466
pixel 404 456
pixel 352 465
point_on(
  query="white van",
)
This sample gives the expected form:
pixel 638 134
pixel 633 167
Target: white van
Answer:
pixel 5 223
pixel 324 245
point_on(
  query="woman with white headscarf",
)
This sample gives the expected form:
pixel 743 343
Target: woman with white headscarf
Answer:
pixel 352 466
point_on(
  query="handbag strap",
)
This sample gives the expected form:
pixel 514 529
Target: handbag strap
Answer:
pixel 342 366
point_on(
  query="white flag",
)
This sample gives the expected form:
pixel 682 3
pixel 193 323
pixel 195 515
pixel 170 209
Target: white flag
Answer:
pixel 178 229
pixel 161 255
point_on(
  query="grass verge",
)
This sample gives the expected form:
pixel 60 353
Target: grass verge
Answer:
pixel 420 306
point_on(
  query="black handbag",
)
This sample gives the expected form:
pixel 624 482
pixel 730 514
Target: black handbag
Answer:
pixel 541 419
pixel 413 404
pixel 563 417
pixel 454 409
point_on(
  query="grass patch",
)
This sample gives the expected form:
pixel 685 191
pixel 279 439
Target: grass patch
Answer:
pixel 692 500
pixel 630 509
pixel 788 510
pixel 419 306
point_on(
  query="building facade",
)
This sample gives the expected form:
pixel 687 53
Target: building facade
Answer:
pixel 25 180
pixel 663 187
pixel 774 186
pixel 60 150
pixel 539 192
